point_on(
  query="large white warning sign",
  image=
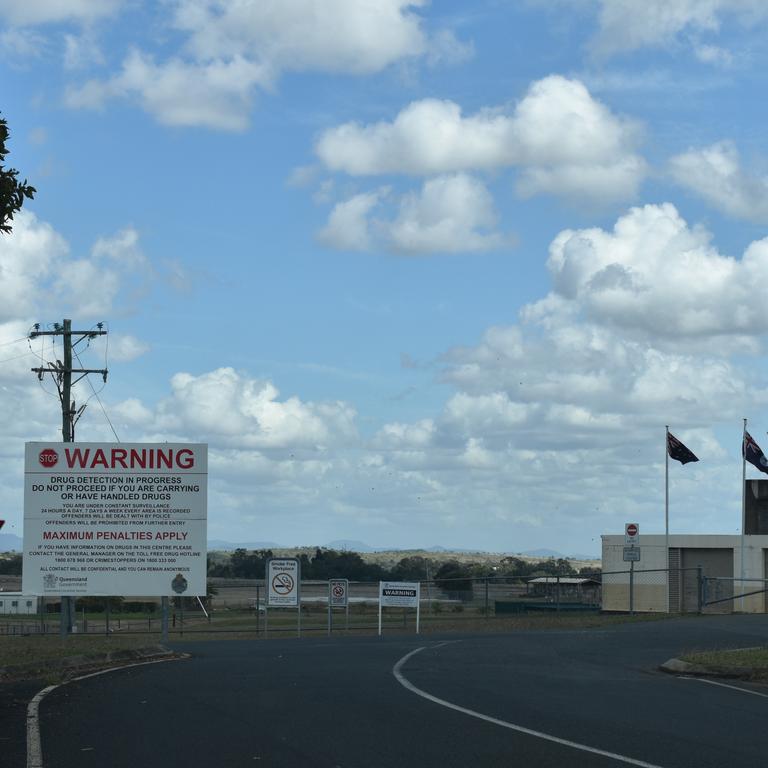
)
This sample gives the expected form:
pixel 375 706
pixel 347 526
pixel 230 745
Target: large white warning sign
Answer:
pixel 115 519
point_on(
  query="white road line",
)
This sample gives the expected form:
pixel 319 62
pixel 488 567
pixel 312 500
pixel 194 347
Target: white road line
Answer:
pixel 726 685
pixel 34 747
pixel 396 671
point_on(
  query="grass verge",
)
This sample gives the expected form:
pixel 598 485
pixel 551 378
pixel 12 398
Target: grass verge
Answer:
pixel 740 662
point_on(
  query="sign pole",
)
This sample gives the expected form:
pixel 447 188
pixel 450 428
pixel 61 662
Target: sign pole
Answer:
pixel 666 511
pixel 631 587
pixel 329 609
pixel 164 619
pixel 743 506
pixel 379 613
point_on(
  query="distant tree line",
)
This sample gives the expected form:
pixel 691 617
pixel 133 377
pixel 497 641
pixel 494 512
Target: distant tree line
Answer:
pixel 10 565
pixel 451 575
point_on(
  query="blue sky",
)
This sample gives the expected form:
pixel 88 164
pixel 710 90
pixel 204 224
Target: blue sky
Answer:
pixel 419 273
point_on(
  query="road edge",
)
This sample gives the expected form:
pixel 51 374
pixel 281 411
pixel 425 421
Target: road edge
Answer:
pixel 34 745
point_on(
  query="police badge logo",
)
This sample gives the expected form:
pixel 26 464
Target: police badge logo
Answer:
pixel 179 584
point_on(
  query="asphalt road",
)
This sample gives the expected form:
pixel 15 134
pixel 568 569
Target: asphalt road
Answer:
pixel 319 703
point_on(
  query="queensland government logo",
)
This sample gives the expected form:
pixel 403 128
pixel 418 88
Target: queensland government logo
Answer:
pixel 48 457
pixel 50 581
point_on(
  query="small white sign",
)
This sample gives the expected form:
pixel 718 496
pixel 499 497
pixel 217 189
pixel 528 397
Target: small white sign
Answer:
pixel 338 593
pixel 631 534
pixel 631 554
pixel 283 582
pixel 399 594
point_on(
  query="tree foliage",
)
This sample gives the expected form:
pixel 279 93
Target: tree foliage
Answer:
pixel 12 191
pixel 11 565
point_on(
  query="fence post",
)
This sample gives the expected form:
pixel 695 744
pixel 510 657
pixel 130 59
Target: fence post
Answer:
pixel 632 588
pixel 557 593
pixel 700 579
pixel 258 608
pixel 486 598
pixel 164 619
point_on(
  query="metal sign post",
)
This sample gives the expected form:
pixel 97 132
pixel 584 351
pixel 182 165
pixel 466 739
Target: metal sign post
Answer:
pixel 164 619
pixel 338 597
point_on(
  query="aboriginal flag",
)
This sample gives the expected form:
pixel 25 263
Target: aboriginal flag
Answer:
pixel 678 451
pixel 750 450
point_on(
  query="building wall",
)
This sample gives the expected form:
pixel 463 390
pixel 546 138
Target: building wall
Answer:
pixel 719 555
pixel 15 603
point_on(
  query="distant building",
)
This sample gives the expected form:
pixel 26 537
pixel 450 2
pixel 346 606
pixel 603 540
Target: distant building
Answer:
pixel 719 557
pixel 17 603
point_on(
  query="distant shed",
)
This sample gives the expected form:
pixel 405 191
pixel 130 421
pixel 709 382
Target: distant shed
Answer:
pixel 17 603
pixel 576 588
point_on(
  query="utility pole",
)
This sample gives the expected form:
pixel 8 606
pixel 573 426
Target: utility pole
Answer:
pixel 61 373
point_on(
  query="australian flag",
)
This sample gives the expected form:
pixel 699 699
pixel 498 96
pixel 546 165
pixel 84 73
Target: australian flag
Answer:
pixel 678 451
pixel 752 453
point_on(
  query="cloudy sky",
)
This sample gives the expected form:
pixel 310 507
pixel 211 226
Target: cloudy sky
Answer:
pixel 418 273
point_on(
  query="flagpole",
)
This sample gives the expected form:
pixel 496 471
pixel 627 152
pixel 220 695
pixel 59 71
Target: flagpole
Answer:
pixel 666 508
pixel 743 504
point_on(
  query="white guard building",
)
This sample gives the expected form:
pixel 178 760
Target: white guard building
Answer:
pixel 16 603
pixel 720 558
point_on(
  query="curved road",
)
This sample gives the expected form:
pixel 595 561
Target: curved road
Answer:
pixel 530 699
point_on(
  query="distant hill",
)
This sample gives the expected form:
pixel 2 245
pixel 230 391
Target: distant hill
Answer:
pixel 10 543
pixel 231 546
pixel 350 545
pixel 553 553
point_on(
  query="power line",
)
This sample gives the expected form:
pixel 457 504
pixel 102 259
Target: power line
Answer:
pixel 14 341
pixel 17 357
pixel 98 399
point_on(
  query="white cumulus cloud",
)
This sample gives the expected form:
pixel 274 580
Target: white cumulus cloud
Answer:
pixel 235 410
pixel 33 12
pixel 715 173
pixel 563 140
pixel 449 214
pixel 233 48
pixel 656 275
pixel 626 25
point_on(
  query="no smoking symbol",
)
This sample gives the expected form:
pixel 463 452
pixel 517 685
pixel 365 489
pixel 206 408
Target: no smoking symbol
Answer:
pixel 282 583
pixel 338 590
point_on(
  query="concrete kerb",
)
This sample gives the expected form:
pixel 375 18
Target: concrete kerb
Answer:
pixel 680 667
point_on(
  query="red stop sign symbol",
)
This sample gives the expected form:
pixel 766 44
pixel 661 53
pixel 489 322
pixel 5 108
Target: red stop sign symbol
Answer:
pixel 631 529
pixel 48 457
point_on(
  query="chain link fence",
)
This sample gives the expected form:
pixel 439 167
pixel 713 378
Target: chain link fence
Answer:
pixel 238 605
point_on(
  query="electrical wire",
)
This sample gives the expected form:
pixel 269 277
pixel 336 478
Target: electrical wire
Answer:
pixel 41 357
pixel 98 399
pixel 17 357
pixel 14 341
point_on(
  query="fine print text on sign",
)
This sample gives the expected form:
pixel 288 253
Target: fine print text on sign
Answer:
pixel 631 554
pixel 115 519
pixel 399 594
pixel 283 580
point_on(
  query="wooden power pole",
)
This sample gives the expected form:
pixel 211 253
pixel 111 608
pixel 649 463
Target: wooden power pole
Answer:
pixel 61 373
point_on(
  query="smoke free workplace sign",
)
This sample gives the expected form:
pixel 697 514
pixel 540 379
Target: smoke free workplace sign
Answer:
pixel 115 519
